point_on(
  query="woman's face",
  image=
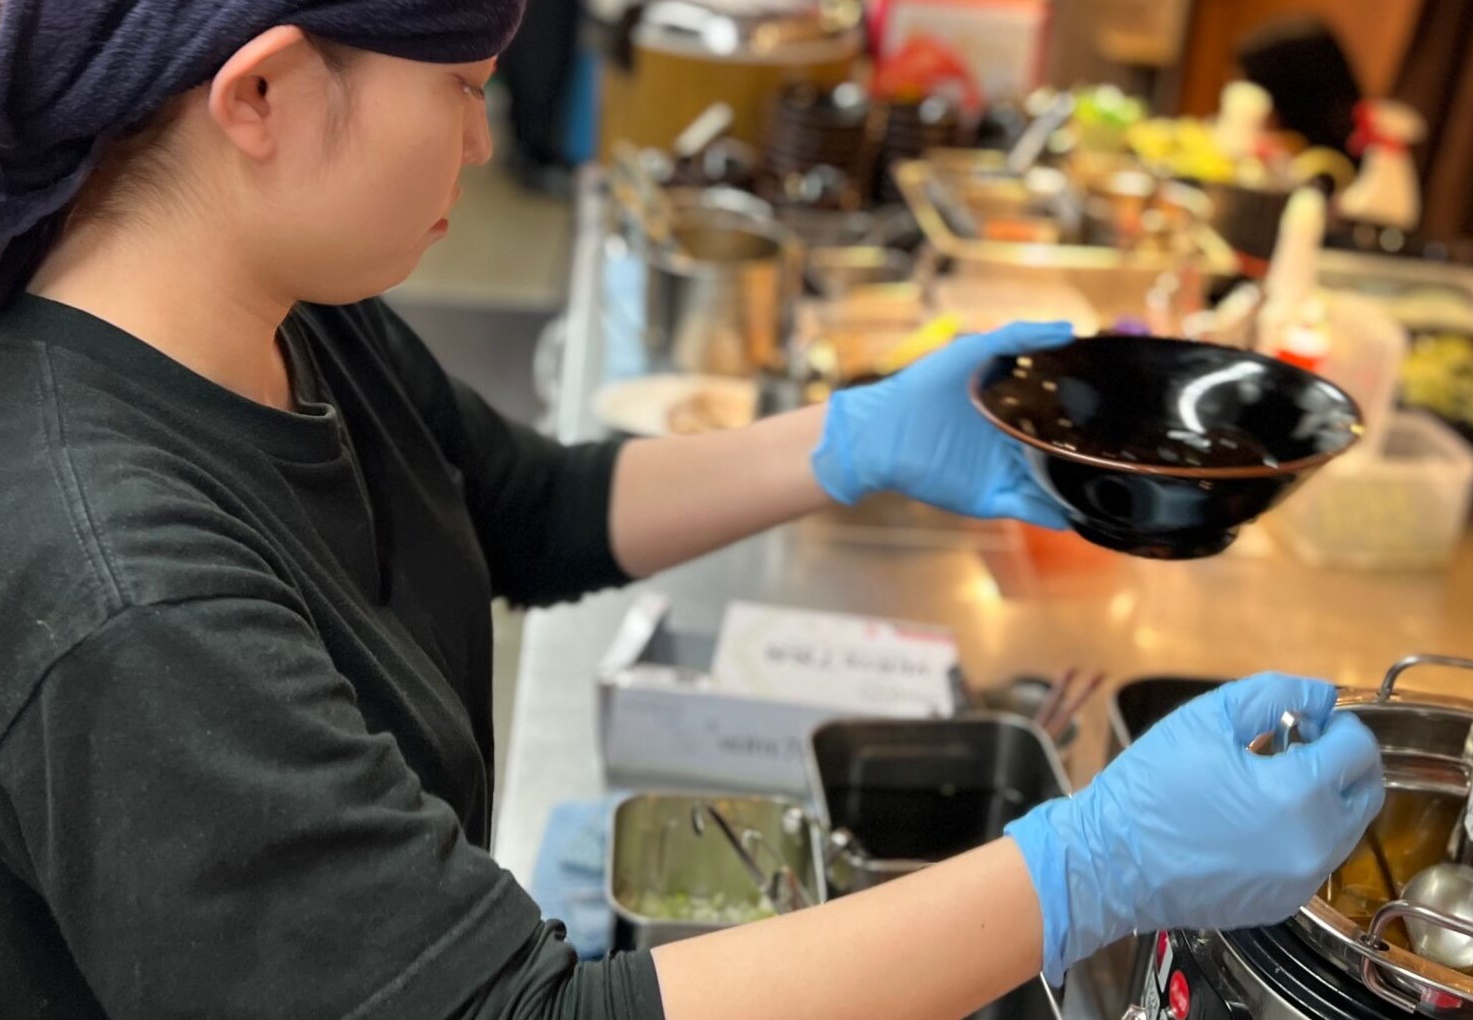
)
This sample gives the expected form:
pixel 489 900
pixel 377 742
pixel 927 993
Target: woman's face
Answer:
pixel 364 172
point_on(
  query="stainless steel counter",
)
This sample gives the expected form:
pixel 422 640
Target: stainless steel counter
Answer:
pixel 1019 602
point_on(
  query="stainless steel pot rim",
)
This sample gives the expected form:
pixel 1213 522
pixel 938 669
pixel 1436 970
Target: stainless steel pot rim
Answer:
pixel 1396 975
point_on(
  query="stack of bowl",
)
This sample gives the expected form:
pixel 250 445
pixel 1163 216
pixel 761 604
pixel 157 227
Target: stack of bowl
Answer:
pixel 817 150
pixel 910 129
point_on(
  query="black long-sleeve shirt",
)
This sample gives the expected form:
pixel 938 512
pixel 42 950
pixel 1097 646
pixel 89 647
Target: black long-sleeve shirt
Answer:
pixel 244 682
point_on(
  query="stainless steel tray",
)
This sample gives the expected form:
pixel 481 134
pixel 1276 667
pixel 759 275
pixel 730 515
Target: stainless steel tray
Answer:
pixel 924 185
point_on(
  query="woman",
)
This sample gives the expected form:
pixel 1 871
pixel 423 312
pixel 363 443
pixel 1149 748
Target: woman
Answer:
pixel 249 534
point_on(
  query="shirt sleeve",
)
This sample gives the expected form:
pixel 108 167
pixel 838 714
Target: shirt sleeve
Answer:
pixel 196 797
pixel 541 510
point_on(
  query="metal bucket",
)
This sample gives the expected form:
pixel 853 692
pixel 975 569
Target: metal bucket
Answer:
pixel 722 301
pixel 897 795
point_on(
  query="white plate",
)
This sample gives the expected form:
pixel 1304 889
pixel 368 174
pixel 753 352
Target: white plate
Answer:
pixel 641 407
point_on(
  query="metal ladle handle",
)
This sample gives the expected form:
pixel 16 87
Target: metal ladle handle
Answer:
pixel 1292 728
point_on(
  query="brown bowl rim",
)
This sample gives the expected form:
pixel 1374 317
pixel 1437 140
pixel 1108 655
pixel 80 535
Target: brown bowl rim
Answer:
pixel 1166 470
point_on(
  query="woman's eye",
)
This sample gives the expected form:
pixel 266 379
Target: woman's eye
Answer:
pixel 473 90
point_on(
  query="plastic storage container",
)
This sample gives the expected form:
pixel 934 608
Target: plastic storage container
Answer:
pixel 1404 509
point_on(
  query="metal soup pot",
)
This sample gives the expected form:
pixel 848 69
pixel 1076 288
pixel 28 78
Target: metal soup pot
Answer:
pixel 721 299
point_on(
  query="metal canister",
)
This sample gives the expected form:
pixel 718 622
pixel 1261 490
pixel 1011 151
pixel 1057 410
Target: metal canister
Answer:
pixel 722 298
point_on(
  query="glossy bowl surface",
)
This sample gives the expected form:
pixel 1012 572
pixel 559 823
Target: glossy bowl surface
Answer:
pixel 1165 448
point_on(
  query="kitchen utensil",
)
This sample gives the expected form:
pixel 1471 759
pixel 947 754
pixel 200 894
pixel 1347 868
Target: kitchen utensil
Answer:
pixel 1165 448
pixel 659 868
pixel 781 888
pixel 1055 698
pixel 705 129
pixel 1026 151
pixel 1447 889
pixel 1023 696
pixel 653 212
pixel 1064 717
pixel 721 299
pixel 1116 281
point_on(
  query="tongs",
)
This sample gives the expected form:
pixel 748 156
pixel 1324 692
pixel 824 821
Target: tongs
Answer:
pixel 781 889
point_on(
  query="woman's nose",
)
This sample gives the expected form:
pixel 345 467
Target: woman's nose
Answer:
pixel 478 146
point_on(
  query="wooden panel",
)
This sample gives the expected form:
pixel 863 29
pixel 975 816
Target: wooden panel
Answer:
pixel 1374 33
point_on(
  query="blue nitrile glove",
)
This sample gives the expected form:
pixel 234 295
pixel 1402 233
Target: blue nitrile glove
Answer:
pixel 917 433
pixel 1189 829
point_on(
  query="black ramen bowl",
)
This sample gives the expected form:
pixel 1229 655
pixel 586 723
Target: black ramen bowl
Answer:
pixel 1165 448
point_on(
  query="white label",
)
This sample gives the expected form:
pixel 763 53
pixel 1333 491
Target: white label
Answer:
pixel 846 663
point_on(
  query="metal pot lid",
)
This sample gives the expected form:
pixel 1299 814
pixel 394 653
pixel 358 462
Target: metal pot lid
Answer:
pixel 1426 746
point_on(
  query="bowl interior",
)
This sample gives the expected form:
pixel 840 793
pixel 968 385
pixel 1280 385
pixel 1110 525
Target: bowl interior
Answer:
pixel 1172 406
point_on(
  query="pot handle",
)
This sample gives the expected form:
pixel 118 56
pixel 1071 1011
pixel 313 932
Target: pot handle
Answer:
pixel 1394 673
pixel 1436 987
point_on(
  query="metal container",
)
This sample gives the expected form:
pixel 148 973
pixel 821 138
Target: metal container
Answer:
pixel 1134 707
pixel 1425 747
pixel 1138 705
pixel 1117 281
pixel 721 300
pixel 1026 696
pixel 834 273
pixel 655 850
pixel 898 795
pixel 1343 947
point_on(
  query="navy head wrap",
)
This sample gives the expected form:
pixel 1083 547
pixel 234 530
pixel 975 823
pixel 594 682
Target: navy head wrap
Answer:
pixel 74 73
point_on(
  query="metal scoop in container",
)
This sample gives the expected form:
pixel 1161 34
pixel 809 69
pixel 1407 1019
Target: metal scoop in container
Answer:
pixel 1448 890
pixel 781 889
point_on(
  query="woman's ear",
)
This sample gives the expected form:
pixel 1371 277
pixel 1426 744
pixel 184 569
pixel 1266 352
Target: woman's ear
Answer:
pixel 244 95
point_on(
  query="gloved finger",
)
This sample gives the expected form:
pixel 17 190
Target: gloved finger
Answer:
pixel 1345 753
pixel 1364 800
pixel 1359 808
pixel 1018 338
pixel 1255 705
pixel 1030 508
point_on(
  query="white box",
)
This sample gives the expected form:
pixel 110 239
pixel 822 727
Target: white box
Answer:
pixel 664 716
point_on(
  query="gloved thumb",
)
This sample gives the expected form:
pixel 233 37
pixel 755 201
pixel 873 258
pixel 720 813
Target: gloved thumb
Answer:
pixel 1256 705
pixel 1031 508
